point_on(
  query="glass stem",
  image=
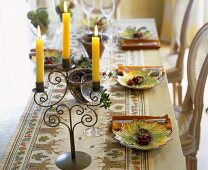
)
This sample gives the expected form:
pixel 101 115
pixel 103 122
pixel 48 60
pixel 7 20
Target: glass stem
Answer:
pixel 88 22
pixel 108 21
pixel 109 60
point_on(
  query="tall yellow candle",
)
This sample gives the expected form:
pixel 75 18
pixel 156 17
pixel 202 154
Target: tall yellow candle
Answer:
pixel 96 56
pixel 39 58
pixel 66 33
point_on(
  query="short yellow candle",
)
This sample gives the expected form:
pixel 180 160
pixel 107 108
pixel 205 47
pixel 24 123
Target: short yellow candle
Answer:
pixel 96 56
pixel 66 33
pixel 39 58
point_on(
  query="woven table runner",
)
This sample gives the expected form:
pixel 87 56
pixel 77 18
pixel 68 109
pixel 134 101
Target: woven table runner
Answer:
pixel 36 146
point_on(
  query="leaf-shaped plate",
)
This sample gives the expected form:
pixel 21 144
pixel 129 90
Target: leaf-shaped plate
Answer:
pixel 49 54
pixel 129 32
pixel 128 134
pixel 100 22
pixel 150 80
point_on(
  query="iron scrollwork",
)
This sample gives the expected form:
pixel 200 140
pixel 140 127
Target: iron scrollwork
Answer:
pixel 52 120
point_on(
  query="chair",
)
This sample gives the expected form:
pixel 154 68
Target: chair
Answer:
pixel 174 63
pixel 190 114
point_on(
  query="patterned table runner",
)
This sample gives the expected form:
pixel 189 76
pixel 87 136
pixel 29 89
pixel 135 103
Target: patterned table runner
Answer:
pixel 36 146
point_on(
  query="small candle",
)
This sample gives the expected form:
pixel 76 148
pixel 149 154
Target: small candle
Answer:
pixel 66 33
pixel 39 58
pixel 96 56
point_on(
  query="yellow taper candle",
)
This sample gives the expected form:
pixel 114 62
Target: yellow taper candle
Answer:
pixel 66 33
pixel 96 56
pixel 39 58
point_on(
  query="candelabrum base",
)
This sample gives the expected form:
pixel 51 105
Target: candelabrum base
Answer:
pixel 65 161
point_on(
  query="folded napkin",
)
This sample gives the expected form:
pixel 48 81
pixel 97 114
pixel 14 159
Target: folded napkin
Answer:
pixel 117 121
pixel 138 44
pixel 121 68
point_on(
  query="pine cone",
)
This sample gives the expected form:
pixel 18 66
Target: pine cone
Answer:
pixel 143 137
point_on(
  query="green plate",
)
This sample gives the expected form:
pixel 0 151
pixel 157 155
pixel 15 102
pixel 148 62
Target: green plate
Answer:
pixel 149 81
pixel 128 134
pixel 94 21
pixel 54 54
pixel 129 32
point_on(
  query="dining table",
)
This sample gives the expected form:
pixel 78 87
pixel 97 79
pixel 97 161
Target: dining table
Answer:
pixel 36 146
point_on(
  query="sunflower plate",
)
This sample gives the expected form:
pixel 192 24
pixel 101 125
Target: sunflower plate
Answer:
pixel 150 80
pixel 128 134
pixel 129 32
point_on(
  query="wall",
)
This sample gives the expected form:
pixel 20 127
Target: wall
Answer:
pixel 142 9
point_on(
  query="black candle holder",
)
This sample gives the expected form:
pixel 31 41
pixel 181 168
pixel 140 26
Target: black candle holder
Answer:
pixel 39 86
pixel 74 160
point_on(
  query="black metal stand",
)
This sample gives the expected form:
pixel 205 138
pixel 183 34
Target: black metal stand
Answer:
pixel 66 161
pixel 74 160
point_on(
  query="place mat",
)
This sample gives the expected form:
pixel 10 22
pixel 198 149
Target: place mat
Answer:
pixel 140 44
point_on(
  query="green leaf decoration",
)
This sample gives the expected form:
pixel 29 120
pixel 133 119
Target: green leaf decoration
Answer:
pixel 21 153
pixel 105 100
pixel 60 85
pixel 39 156
pixel 148 82
pixel 115 154
pixel 118 95
pixel 43 139
pixel 128 135
pixel 18 158
pixel 110 74
pixel 118 107
pixel 131 30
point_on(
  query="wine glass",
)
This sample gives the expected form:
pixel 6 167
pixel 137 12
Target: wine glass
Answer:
pixel 107 8
pixel 93 97
pixel 87 7
pixel 109 38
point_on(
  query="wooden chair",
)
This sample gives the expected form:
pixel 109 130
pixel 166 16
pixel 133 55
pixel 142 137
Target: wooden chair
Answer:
pixel 189 116
pixel 174 63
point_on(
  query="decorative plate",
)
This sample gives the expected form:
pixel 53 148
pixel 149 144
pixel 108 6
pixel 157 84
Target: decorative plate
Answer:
pixel 100 22
pixel 52 58
pixel 150 79
pixel 136 33
pixel 81 62
pixel 130 135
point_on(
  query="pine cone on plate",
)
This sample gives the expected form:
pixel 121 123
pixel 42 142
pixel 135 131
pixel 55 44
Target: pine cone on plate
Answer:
pixel 143 137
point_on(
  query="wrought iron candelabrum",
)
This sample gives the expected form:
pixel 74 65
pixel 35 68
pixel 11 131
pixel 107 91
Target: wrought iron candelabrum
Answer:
pixel 73 160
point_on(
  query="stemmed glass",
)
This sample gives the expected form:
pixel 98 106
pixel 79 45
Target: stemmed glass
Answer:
pixel 90 96
pixel 87 7
pixel 109 38
pixel 107 8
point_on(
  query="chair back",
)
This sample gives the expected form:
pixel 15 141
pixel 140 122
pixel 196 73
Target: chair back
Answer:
pixel 182 41
pixel 197 70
